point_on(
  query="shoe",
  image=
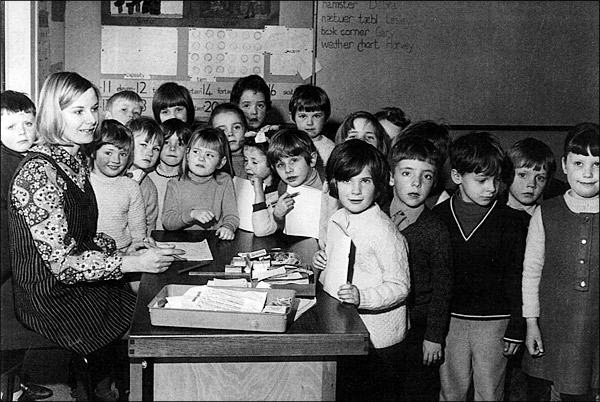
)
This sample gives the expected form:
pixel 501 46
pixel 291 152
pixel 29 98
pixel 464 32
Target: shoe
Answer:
pixel 33 392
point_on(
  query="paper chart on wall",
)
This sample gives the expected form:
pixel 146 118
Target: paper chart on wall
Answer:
pixel 138 54
pixel 217 52
pixel 290 48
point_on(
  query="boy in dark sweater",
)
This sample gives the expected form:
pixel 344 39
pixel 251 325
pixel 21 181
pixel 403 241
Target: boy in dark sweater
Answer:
pixel 416 164
pixel 486 324
pixel 17 136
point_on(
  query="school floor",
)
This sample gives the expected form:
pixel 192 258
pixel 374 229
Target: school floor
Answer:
pixel 51 370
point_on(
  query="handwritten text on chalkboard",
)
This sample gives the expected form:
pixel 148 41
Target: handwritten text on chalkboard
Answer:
pixel 363 26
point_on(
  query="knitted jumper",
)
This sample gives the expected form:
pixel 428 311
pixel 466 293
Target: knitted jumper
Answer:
pixel 381 273
pixel 215 193
pixel 121 211
pixel 160 182
pixel 488 265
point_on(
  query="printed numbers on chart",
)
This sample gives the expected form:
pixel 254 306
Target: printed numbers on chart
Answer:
pixel 141 87
pixel 273 90
pixel 209 106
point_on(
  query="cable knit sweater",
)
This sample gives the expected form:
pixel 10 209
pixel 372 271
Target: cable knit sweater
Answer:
pixel 380 273
pixel 121 210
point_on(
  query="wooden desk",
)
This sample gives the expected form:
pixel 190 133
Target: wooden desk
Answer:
pixel 169 363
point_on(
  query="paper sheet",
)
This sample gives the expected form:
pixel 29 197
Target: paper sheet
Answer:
pixel 338 249
pixel 194 251
pixel 303 220
pixel 244 194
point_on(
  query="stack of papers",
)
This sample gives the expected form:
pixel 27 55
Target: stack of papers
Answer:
pixel 194 251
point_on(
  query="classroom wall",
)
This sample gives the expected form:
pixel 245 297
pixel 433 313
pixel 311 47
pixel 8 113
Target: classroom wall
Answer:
pixel 371 72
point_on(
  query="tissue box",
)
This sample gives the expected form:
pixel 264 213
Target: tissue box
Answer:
pixel 231 320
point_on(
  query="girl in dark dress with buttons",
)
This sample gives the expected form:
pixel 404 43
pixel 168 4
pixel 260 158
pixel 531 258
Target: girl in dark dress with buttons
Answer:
pixel 69 280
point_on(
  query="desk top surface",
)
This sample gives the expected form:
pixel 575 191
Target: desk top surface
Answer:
pixel 328 328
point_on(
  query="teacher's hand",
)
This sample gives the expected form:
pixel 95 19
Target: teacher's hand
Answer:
pixel 151 260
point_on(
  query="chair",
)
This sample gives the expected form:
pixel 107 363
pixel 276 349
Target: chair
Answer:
pixel 16 339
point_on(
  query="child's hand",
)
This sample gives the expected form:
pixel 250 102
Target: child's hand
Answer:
pixel 225 234
pixel 533 339
pixel 319 260
pixel 432 352
pixel 348 293
pixel 284 205
pixel 202 215
pixel 510 348
pixel 257 183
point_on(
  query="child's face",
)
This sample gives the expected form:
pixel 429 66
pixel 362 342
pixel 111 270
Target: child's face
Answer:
pixel 173 112
pixel 528 185
pixel 582 174
pixel 295 170
pixel 172 151
pixel 145 153
pixel 110 160
pixel 363 130
pixel 254 106
pixel 358 193
pixel 81 119
pixel 477 188
pixel 413 180
pixel 233 127
pixel 204 161
pixel 390 128
pixel 255 163
pixel 124 110
pixel 18 131
pixel 311 122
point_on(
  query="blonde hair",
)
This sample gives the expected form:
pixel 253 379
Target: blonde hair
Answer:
pixel 59 91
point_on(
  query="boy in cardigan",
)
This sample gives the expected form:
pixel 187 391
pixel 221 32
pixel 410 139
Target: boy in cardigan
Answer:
pixel 486 324
pixel 415 164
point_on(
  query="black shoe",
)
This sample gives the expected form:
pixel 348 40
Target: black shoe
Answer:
pixel 33 392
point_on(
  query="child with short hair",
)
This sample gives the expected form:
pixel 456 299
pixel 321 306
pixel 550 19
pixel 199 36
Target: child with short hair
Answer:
pixel 17 135
pixel 415 164
pixel 486 325
pixel 309 109
pixel 533 166
pixel 264 182
pixel 172 100
pixel 293 156
pixel 124 106
pixel 176 134
pixel 203 197
pixel 560 279
pixel 439 135
pixel 358 178
pixel 393 120
pixel 364 126
pixel 230 118
pixel 148 140
pixel 253 96
pixel 121 209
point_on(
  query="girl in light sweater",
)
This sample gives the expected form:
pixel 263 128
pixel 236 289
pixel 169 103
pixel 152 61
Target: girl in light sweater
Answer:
pixel 358 175
pixel 203 197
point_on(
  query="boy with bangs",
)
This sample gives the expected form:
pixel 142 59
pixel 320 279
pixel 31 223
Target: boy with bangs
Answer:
pixel 488 243
pixel 416 165
pixel 124 106
pixel 309 109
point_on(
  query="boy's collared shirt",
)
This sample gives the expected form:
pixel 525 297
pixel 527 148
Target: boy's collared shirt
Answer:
pixel 402 216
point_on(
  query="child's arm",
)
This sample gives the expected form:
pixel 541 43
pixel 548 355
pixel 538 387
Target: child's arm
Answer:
pixel 136 214
pixel 230 219
pixel 533 264
pixel 392 259
pixel 150 195
pixel 263 222
pixel 174 217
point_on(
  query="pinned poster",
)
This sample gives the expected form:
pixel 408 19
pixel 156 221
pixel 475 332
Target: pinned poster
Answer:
pixel 340 260
pixel 303 220
pixel 244 194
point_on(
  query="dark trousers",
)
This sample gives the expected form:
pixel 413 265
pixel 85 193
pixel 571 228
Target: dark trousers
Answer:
pixel 422 383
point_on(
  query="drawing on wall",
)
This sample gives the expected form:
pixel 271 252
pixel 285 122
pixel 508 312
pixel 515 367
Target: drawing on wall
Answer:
pixel 234 14
pixel 147 8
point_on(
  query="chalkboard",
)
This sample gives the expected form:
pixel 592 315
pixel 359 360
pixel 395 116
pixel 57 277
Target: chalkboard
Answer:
pixel 468 63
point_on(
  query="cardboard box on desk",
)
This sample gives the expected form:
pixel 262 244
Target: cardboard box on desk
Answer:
pixel 231 320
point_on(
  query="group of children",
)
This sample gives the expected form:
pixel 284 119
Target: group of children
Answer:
pixel 458 262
